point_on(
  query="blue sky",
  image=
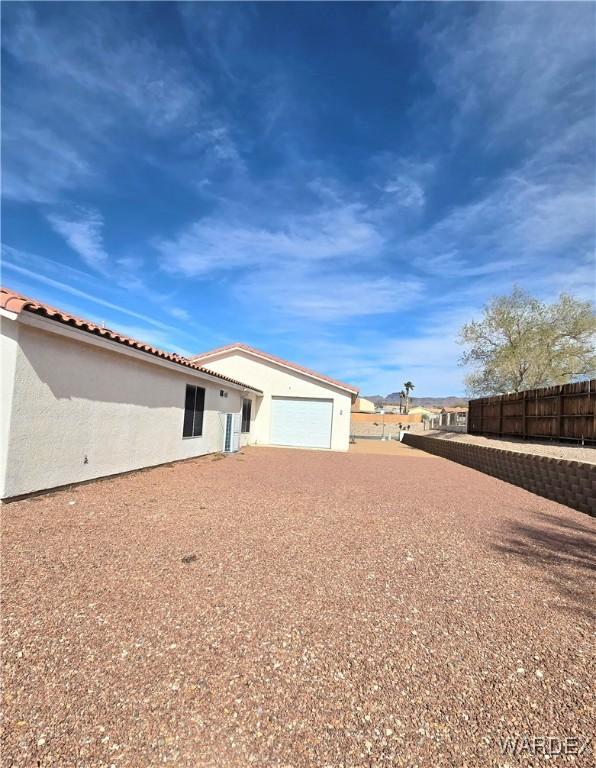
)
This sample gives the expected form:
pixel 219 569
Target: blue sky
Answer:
pixel 343 185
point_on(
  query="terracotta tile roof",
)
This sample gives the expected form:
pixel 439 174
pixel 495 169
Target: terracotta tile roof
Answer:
pixel 15 302
pixel 259 353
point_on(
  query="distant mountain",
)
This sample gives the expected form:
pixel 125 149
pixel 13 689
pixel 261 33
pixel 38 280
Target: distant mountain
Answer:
pixel 441 402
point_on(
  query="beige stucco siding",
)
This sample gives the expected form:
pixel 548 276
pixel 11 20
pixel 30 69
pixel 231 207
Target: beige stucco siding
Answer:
pixel 8 357
pixel 277 381
pixel 362 405
pixel 72 411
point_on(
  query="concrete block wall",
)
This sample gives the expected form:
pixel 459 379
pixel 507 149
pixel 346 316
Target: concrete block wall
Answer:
pixel 569 482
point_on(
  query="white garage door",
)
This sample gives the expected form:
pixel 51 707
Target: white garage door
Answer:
pixel 301 422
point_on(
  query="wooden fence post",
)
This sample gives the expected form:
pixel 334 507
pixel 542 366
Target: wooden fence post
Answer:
pixel 525 427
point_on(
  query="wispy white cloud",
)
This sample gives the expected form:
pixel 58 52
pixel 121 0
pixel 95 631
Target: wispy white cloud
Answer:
pixel 148 330
pixel 65 279
pixel 179 313
pixel 577 279
pixel 527 214
pixel 406 180
pixel 313 266
pixel 509 65
pixel 408 191
pixel 102 59
pixel 83 231
pixel 92 87
pixel 322 296
pixel 220 31
pixel 218 244
pixel 64 287
pixel 213 147
pixel 38 165
pixel 513 88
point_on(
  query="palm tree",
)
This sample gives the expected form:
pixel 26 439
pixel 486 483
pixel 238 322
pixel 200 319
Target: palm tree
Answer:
pixel 402 397
pixel 408 386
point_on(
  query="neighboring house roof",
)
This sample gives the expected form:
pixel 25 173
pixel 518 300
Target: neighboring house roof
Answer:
pixel 237 346
pixel 425 408
pixel 16 303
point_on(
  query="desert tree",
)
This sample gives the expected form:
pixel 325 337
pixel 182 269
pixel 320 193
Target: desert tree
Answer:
pixel 521 343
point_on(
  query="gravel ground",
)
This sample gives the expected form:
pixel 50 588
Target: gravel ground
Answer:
pixel 556 450
pixel 294 608
pixel 387 447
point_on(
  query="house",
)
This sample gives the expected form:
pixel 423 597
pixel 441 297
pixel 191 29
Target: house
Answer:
pixel 454 416
pixel 80 401
pixel 424 411
pixel 362 405
pixel 298 407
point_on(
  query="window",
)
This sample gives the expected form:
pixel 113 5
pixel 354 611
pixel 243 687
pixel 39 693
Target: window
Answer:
pixel 194 405
pixel 246 406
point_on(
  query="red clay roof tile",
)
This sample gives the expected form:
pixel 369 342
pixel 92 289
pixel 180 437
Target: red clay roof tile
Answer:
pixel 14 302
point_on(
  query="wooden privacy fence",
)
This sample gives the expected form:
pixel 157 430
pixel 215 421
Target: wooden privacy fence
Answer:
pixel 565 412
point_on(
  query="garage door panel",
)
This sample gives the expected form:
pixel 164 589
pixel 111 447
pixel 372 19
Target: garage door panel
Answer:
pixel 301 422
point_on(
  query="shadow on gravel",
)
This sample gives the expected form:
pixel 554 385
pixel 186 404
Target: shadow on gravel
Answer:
pixel 565 552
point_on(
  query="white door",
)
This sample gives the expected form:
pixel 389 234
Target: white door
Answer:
pixel 301 422
pixel 231 432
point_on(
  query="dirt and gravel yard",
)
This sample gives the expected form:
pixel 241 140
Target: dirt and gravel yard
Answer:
pixel 295 608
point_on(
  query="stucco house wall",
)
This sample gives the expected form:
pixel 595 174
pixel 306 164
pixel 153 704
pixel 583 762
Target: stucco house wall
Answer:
pixel 75 408
pixel 277 381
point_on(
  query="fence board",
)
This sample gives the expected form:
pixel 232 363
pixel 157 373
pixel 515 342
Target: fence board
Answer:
pixel 564 412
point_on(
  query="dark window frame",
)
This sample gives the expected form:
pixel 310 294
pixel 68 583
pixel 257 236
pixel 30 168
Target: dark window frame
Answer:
pixel 246 415
pixel 194 410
